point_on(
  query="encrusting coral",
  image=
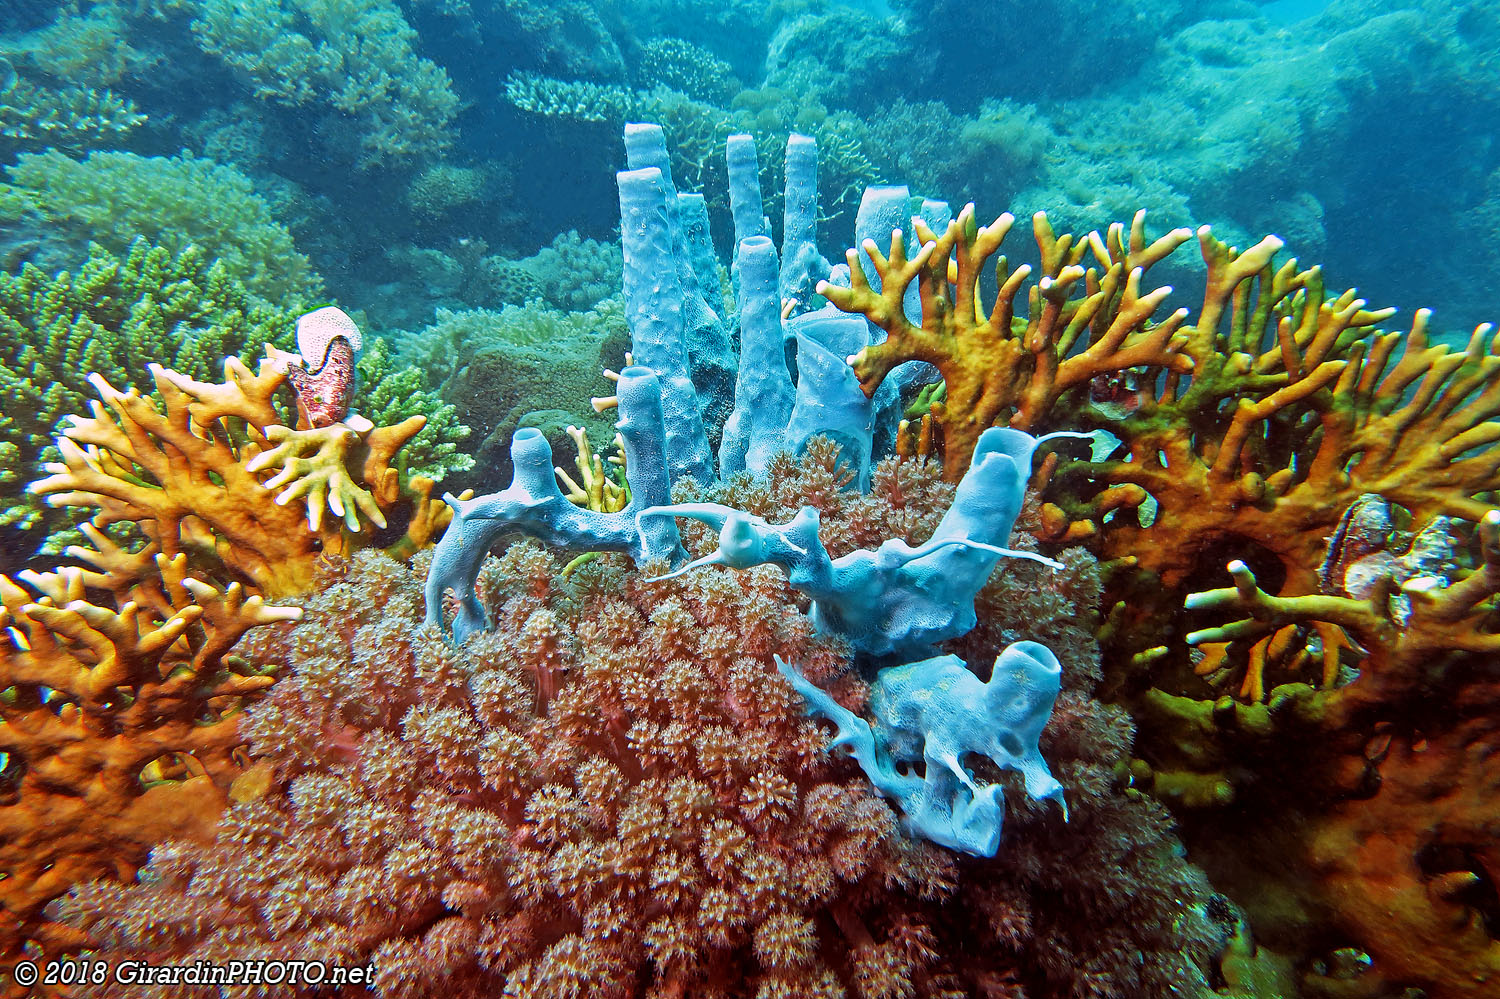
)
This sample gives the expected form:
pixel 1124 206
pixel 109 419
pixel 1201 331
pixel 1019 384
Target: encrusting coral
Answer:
pixel 614 792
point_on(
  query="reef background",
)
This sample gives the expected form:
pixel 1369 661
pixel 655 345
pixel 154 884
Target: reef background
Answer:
pixel 183 177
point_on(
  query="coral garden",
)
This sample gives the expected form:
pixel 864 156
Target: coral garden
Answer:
pixel 818 585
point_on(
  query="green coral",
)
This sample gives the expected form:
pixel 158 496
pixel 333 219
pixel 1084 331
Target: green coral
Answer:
pixel 574 273
pixel 70 118
pixel 353 58
pixel 390 393
pixel 523 366
pixel 686 67
pixel 111 198
pixel 444 188
pixel 571 100
pixel 113 315
pixel 89 48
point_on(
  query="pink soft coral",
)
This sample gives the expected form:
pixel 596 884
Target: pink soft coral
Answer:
pixel 613 793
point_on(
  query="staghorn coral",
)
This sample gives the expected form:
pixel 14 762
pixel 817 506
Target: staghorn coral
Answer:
pixel 87 44
pixel 72 118
pixel 614 791
pixel 393 393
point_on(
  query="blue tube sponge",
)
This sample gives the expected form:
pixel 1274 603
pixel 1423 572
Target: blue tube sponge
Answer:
pixel 831 403
pixel 895 602
pixel 705 338
pixel 936 712
pixel 532 504
pixel 802 266
pixel 763 391
pixel 654 308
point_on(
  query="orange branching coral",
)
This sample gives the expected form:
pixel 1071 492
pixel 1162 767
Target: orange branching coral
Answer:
pixel 1292 414
pixel 1000 368
pixel 196 474
pixel 1385 838
pixel 120 723
pixel 119 695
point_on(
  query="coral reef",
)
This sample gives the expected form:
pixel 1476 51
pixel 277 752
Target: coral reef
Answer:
pixel 1001 367
pixel 114 198
pixel 103 318
pixel 393 394
pixel 353 59
pixel 188 473
pixel 119 687
pixel 519 366
pixel 120 723
pixel 1354 469
pixel 73 118
pixel 515 788
pixel 1258 431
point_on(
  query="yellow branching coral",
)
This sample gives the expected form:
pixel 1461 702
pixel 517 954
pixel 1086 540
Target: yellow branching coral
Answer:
pixel 190 474
pixel 594 490
pixel 1406 641
pixel 997 366
pixel 1296 405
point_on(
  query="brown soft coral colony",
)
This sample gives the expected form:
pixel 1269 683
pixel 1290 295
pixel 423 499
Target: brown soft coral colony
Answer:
pixel 614 793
